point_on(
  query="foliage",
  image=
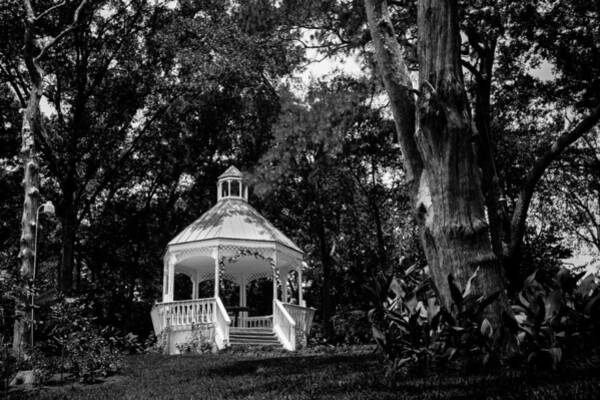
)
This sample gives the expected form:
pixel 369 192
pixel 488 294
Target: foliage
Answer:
pixel 351 327
pixel 8 363
pixel 558 318
pixel 552 320
pixel 334 180
pixel 197 342
pixel 414 331
pixel 72 343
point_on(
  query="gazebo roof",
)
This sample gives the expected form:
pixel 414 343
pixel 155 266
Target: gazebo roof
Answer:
pixel 233 219
pixel 231 172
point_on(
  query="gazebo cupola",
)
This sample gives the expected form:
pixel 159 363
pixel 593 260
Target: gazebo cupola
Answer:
pixel 231 185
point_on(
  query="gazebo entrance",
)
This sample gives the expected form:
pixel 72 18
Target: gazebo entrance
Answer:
pixel 233 244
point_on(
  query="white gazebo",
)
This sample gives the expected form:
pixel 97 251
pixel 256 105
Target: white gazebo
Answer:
pixel 233 242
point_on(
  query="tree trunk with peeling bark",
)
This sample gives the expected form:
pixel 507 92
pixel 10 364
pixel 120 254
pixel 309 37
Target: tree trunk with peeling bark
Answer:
pixel 31 181
pixel 30 130
pixel 448 202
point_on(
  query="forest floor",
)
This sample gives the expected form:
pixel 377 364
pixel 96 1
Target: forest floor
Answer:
pixel 311 375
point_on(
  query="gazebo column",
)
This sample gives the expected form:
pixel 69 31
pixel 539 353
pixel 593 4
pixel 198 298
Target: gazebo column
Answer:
pixel 243 303
pixel 217 280
pixel 284 285
pixel 274 284
pixel 170 281
pixel 299 275
pixel 194 279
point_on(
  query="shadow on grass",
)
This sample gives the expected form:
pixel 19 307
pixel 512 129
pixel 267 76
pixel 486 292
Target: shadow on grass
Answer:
pixel 293 365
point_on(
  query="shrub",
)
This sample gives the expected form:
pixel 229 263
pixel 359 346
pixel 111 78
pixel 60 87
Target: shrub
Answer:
pixel 550 320
pixel 557 318
pixel 74 345
pixel 197 342
pixel 352 327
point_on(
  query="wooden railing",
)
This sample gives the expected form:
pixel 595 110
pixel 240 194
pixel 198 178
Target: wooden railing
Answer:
pixel 284 326
pixel 182 313
pixel 303 317
pixel 257 322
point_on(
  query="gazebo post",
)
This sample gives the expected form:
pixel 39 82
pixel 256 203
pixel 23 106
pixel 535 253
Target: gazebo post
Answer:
pixel 299 274
pixel 217 281
pixel 243 298
pixel 170 283
pixel 274 284
pixel 284 285
pixel 194 286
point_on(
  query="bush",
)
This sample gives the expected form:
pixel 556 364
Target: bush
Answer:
pixel 73 344
pixel 197 342
pixel 557 319
pixel 550 320
pixel 352 327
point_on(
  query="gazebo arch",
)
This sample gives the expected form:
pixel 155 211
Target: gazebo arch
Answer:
pixel 232 240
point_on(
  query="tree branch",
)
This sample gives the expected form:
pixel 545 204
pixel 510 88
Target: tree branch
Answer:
pixel 533 177
pixel 398 85
pixel 48 11
pixel 472 70
pixel 58 37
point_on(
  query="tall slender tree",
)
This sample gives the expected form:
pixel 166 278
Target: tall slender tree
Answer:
pixel 32 128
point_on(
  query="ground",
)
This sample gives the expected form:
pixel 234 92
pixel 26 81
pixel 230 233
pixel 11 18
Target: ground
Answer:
pixel 312 375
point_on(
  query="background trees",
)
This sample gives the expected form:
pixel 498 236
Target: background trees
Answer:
pixel 145 104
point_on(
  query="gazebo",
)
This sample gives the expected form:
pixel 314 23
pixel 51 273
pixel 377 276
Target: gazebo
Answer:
pixel 232 242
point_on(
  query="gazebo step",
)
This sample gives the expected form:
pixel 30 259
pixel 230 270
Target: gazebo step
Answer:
pixel 254 342
pixel 253 337
pixel 266 332
pixel 259 330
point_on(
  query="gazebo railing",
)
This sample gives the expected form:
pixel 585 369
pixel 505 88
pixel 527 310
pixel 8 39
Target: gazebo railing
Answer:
pixel 222 322
pixel 303 317
pixel 183 313
pixel 265 321
pixel 284 326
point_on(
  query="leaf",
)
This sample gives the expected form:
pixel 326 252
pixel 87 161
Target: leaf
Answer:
pixel 486 328
pixel 556 354
pixel 396 288
pixel 411 304
pixel 433 308
pixel 454 291
pixel 530 279
pixel 552 304
pixel 379 336
pixel 469 286
pixel 485 301
pixel 411 269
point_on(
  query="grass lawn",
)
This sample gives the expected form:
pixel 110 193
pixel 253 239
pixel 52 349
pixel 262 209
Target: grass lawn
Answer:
pixel 278 375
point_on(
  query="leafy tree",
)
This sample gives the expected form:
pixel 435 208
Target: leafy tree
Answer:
pixel 441 145
pixel 32 129
pixel 323 179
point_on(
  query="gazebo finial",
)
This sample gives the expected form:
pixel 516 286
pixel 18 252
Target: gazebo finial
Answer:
pixel 231 185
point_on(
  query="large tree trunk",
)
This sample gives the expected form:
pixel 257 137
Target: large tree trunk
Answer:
pixel 449 203
pixel 456 234
pixel 31 181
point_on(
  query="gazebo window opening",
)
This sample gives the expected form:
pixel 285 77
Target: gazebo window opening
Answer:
pixel 224 188
pixel 235 188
